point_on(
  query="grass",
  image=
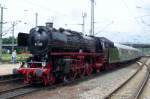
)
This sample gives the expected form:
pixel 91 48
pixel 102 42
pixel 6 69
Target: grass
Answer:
pixel 20 57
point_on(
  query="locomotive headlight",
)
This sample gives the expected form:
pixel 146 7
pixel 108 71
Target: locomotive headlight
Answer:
pixel 43 64
pixel 25 65
pixel 22 64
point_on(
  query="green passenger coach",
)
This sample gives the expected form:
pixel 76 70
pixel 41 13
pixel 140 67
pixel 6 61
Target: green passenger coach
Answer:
pixel 121 53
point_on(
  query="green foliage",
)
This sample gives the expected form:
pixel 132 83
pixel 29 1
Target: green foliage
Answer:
pixel 4 51
pixel 20 57
pixel 9 40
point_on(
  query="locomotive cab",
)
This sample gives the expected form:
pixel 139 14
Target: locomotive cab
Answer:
pixel 106 46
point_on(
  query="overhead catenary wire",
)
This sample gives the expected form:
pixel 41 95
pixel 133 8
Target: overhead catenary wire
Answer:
pixel 47 9
pixel 142 16
pixel 134 18
pixel 44 8
pixel 6 31
pixel 131 14
pixel 142 1
pixel 104 27
pixel 125 4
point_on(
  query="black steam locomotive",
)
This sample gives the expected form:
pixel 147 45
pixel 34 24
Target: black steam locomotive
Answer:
pixel 61 53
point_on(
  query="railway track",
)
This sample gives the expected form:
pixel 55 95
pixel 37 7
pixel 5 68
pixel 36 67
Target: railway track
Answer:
pixel 144 94
pixel 6 77
pixel 10 78
pixel 14 92
pixel 131 89
pixel 141 87
pixel 26 89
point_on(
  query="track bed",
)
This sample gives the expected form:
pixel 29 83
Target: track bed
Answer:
pixel 97 87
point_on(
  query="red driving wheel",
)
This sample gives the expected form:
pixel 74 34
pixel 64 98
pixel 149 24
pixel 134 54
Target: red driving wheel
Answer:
pixel 89 70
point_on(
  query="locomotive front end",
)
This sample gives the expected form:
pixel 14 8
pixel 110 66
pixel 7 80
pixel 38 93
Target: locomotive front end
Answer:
pixel 35 73
pixel 37 67
pixel 38 41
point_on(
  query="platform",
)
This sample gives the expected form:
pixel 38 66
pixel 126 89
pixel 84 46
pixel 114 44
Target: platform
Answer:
pixel 6 69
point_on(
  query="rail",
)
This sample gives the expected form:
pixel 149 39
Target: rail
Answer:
pixel 136 95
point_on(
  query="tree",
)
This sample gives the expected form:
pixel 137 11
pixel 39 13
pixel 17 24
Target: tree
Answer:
pixel 8 40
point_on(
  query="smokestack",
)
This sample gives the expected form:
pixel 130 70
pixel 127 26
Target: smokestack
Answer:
pixel 49 25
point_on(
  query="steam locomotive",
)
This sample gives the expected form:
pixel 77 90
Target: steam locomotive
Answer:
pixel 64 55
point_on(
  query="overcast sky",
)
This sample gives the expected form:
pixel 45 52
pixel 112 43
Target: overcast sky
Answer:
pixel 119 20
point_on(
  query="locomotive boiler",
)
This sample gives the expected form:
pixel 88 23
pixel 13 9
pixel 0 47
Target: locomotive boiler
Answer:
pixel 60 54
pixel 44 39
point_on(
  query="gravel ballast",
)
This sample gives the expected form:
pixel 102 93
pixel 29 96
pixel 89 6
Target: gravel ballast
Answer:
pixel 95 88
